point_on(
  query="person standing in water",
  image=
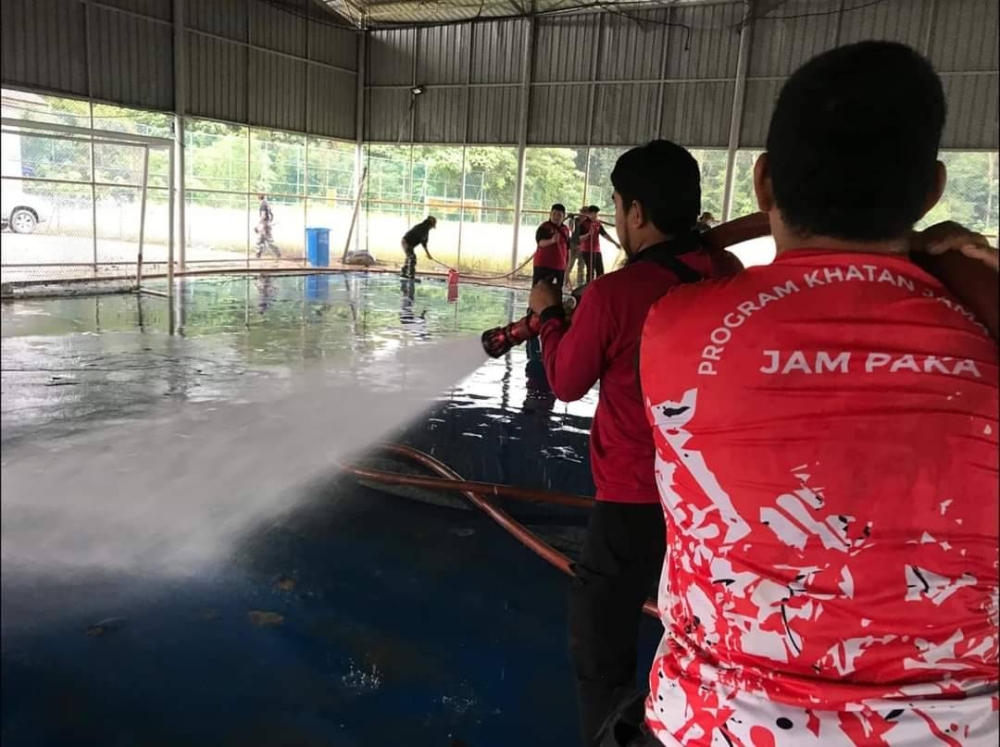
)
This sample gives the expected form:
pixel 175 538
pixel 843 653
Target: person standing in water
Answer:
pixel 552 249
pixel 591 231
pixel 416 236
pixel 657 194
pixel 265 221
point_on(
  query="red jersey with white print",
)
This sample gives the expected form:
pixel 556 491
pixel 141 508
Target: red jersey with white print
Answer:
pixel 602 344
pixel 826 436
pixel 554 256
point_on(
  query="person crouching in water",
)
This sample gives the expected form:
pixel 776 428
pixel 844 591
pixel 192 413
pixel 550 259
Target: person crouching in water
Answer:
pixel 657 202
pixel 416 236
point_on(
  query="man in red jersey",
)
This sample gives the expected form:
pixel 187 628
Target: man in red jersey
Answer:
pixel 591 231
pixel 826 435
pixel 552 248
pixel 658 198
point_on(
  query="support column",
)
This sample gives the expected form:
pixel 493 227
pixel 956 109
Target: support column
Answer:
pixel 180 108
pixel 591 105
pixel 929 23
pixel 838 25
pixel 359 127
pixel 90 110
pixel 248 12
pixel 522 136
pixel 143 201
pixel 465 137
pixel 171 209
pixel 739 96
pixel 661 89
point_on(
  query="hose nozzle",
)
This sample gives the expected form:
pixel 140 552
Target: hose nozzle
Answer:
pixel 499 340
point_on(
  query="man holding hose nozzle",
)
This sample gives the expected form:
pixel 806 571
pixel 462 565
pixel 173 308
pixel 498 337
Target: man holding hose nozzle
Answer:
pixel 416 236
pixel 657 202
pixel 552 249
pixel 826 431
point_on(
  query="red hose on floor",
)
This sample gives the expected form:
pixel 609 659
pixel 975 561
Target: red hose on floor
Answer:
pixel 474 492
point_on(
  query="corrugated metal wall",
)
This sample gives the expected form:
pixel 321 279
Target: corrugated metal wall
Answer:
pixel 959 36
pixel 28 59
pixel 256 63
pixel 247 61
pixel 615 80
pixel 131 59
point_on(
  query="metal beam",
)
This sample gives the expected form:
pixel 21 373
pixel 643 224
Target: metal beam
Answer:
pixel 739 98
pixel 118 138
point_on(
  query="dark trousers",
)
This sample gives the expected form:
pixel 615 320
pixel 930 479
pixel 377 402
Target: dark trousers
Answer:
pixel 410 263
pixel 557 278
pixel 618 569
pixel 592 264
pixel 626 727
pixel 574 261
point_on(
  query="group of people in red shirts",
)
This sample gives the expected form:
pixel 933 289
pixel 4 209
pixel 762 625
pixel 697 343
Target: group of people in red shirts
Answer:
pixel 559 250
pixel 804 455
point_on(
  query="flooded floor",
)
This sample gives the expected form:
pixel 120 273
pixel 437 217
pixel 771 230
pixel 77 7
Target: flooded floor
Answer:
pixel 366 620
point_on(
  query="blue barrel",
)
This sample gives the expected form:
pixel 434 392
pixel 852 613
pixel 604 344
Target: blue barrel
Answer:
pixel 318 246
pixel 318 288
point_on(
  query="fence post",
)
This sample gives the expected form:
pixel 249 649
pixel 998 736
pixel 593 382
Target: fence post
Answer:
pixel 142 216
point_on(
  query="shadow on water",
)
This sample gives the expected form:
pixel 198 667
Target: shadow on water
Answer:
pixel 359 618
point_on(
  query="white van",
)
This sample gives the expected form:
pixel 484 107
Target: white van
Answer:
pixel 22 213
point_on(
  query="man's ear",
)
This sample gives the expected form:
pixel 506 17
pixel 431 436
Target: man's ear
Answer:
pixel 940 182
pixel 637 216
pixel 762 184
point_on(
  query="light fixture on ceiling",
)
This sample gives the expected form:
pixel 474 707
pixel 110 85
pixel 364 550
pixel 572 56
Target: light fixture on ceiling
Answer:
pixel 417 90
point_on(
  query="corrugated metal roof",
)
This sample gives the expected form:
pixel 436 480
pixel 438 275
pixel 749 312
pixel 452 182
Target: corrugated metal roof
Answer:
pixel 375 13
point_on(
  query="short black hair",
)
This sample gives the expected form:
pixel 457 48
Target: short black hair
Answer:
pixel 853 142
pixel 593 209
pixel 665 179
pixel 559 206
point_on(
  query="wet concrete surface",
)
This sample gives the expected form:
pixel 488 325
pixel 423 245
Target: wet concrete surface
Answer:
pixel 359 618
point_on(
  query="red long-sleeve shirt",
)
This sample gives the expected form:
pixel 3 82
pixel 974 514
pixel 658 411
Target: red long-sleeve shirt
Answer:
pixel 602 345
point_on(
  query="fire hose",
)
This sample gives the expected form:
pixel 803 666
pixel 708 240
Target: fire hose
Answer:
pixel 477 494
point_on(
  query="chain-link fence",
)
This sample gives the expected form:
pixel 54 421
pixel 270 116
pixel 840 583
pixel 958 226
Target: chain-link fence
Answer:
pixel 82 204
pixel 307 182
